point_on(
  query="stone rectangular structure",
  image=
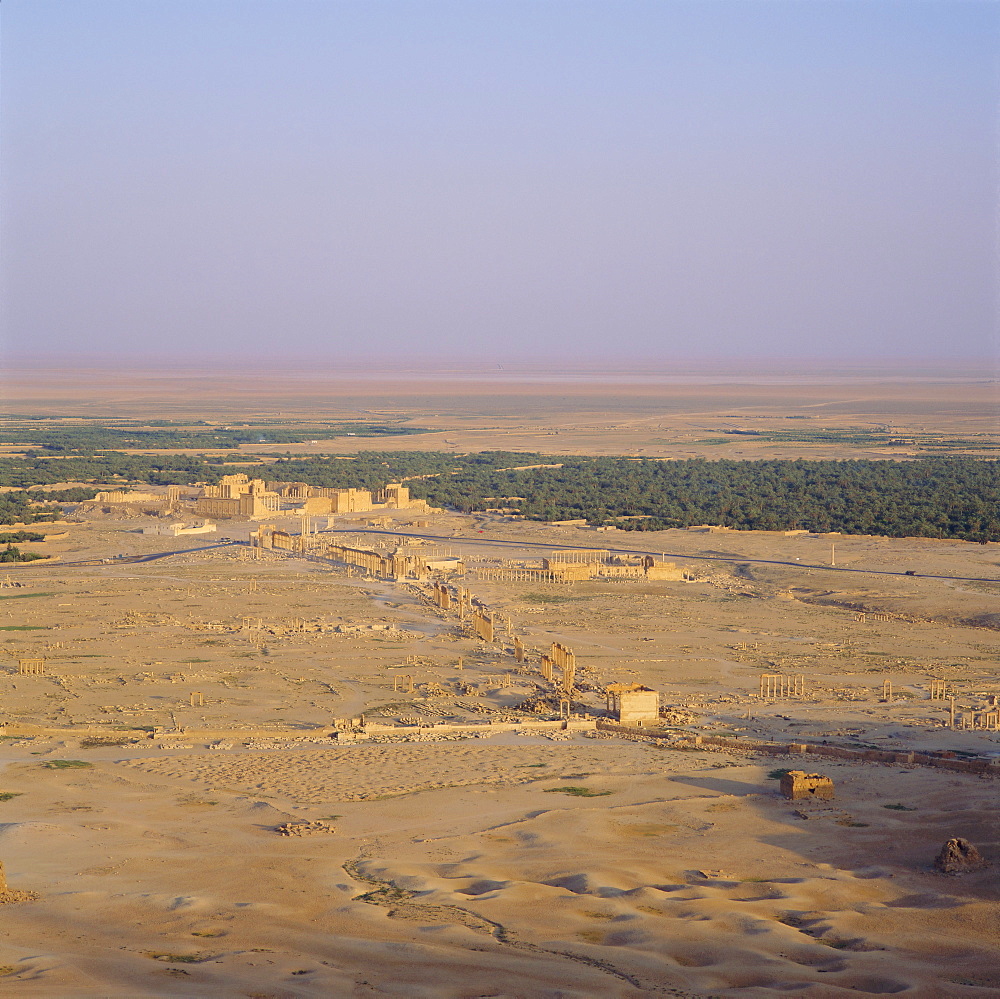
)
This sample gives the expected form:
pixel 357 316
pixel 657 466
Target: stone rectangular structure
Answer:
pixel 797 785
pixel 638 707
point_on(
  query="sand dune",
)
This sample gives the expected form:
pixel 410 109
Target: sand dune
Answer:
pixel 692 877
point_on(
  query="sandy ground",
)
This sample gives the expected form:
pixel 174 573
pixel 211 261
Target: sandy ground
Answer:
pixel 687 875
pixel 458 868
pixel 464 868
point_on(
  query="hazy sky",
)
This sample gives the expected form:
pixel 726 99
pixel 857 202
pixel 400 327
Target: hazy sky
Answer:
pixel 501 180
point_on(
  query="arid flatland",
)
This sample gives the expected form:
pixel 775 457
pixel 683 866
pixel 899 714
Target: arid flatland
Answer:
pixel 464 842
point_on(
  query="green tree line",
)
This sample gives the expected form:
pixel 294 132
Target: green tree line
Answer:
pixel 933 497
pixel 940 497
pixel 366 470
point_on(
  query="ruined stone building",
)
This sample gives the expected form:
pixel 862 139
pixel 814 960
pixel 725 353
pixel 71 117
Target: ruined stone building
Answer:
pixel 395 496
pixel 347 500
pixel 634 704
pixel 798 785
pixel 602 565
pixel 238 496
pixel 115 496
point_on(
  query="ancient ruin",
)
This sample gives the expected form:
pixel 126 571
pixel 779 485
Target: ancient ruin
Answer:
pixel 798 785
pixel 237 496
pixel 10 895
pixel 577 565
pixel 483 624
pixel 776 687
pixel 959 856
pixel 634 704
pixel 309 827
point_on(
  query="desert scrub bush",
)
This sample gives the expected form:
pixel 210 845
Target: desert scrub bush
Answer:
pixel 579 792
pixel 177 958
pixel 546 598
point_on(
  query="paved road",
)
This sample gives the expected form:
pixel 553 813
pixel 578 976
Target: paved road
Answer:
pixel 659 554
pixel 476 539
pixel 125 560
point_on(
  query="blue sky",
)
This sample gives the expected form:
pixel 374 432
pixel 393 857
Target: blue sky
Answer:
pixel 501 181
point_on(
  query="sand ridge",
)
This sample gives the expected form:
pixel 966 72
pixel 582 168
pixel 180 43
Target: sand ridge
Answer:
pixel 359 773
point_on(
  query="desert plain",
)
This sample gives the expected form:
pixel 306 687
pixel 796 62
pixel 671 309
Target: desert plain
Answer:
pixel 191 806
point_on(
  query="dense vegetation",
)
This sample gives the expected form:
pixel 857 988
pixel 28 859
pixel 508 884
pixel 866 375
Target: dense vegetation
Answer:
pixel 16 508
pixel 12 554
pixel 933 497
pixel 113 467
pixel 76 494
pixel 951 497
pixel 367 470
pixel 373 469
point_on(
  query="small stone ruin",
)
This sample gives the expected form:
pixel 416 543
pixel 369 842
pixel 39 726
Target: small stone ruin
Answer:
pixel 798 785
pixel 313 827
pixel 8 895
pixel 959 856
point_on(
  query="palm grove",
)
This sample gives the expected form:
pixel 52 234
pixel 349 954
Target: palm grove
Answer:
pixel 947 497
